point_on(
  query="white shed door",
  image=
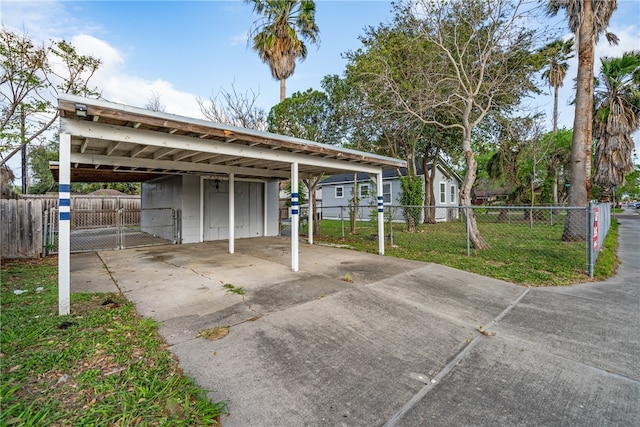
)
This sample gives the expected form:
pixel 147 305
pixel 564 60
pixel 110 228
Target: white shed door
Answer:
pixel 249 209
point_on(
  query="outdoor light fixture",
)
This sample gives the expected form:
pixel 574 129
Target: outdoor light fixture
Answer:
pixel 81 110
pixel 217 181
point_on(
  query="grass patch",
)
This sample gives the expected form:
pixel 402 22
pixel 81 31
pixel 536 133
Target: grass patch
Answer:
pixel 233 289
pixel 215 333
pixel 607 262
pixel 520 253
pixel 102 366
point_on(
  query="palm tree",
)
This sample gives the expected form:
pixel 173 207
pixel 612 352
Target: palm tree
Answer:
pixel 556 54
pixel 616 117
pixel 588 19
pixel 278 36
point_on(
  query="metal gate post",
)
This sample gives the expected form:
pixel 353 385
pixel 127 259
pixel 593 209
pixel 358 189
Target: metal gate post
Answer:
pixel 119 230
pixel 590 249
pixel 466 210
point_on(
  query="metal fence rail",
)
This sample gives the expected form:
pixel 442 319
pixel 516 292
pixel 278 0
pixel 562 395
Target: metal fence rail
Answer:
pixel 104 229
pixel 535 228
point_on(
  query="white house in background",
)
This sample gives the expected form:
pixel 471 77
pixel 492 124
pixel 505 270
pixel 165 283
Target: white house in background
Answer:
pixel 337 191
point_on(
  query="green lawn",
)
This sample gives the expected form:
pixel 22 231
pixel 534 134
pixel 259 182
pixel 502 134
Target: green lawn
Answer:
pixel 101 366
pixel 519 253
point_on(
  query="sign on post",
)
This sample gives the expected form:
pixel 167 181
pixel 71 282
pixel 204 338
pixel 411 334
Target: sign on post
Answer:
pixel 595 229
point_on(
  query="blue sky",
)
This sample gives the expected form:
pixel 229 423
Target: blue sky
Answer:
pixel 184 50
pixel 188 49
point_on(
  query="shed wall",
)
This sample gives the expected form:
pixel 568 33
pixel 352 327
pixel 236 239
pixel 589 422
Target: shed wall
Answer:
pixel 190 215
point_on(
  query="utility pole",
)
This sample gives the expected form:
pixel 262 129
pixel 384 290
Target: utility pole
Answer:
pixel 23 136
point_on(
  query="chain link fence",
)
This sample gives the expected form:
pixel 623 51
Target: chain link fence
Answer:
pixel 537 233
pixel 107 229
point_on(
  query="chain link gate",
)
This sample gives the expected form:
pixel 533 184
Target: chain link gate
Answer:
pixel 100 229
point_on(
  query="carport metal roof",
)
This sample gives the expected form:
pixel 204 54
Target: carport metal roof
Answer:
pixel 104 141
pixel 135 144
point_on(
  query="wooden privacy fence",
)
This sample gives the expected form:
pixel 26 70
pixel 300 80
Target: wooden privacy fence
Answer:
pixel 21 220
pixel 20 228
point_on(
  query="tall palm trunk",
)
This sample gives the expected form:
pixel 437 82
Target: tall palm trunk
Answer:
pixel 580 189
pixel 554 184
pixel 283 89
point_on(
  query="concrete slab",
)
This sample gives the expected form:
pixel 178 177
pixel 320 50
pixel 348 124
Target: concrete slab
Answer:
pixel 398 344
pixel 90 274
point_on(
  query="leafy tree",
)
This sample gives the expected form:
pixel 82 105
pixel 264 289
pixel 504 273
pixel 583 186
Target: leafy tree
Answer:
pixel 558 165
pixel 477 59
pixel 234 108
pixel 354 122
pixel 631 187
pixel 411 198
pixel 617 116
pixel 39 158
pixel 397 132
pixel 306 115
pixel 30 84
pixel 587 19
pixel 278 37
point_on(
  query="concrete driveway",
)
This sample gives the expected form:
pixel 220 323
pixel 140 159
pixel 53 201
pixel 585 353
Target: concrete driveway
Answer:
pixel 397 344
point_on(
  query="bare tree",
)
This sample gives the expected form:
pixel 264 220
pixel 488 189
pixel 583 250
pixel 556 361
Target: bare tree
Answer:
pixel 155 103
pixel 234 108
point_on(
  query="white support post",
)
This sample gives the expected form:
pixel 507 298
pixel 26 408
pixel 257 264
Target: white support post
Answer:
pixel 265 218
pixel 202 209
pixel 310 212
pixel 232 213
pixel 64 227
pixel 380 215
pixel 295 216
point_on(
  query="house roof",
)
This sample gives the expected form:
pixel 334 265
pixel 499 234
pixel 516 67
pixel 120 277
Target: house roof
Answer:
pixel 387 174
pixel 115 142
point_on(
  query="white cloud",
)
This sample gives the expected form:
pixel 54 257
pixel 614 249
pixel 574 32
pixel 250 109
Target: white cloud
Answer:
pixel 116 85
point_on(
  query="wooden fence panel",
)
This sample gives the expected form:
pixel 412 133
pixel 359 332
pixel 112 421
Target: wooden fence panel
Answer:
pixel 21 225
pixel 20 228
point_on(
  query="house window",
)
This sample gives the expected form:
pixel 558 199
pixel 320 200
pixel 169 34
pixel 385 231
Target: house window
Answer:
pixel 364 190
pixel 443 193
pixel 453 195
pixel 386 193
pixel 339 192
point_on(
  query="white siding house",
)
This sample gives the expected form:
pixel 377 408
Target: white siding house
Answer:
pixel 337 192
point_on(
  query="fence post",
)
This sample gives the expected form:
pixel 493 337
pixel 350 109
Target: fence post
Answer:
pixel 45 235
pixel 466 211
pixel 119 231
pixel 342 219
pixel 590 248
pixel 391 226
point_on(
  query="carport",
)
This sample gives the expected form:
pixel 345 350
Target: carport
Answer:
pixel 102 141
